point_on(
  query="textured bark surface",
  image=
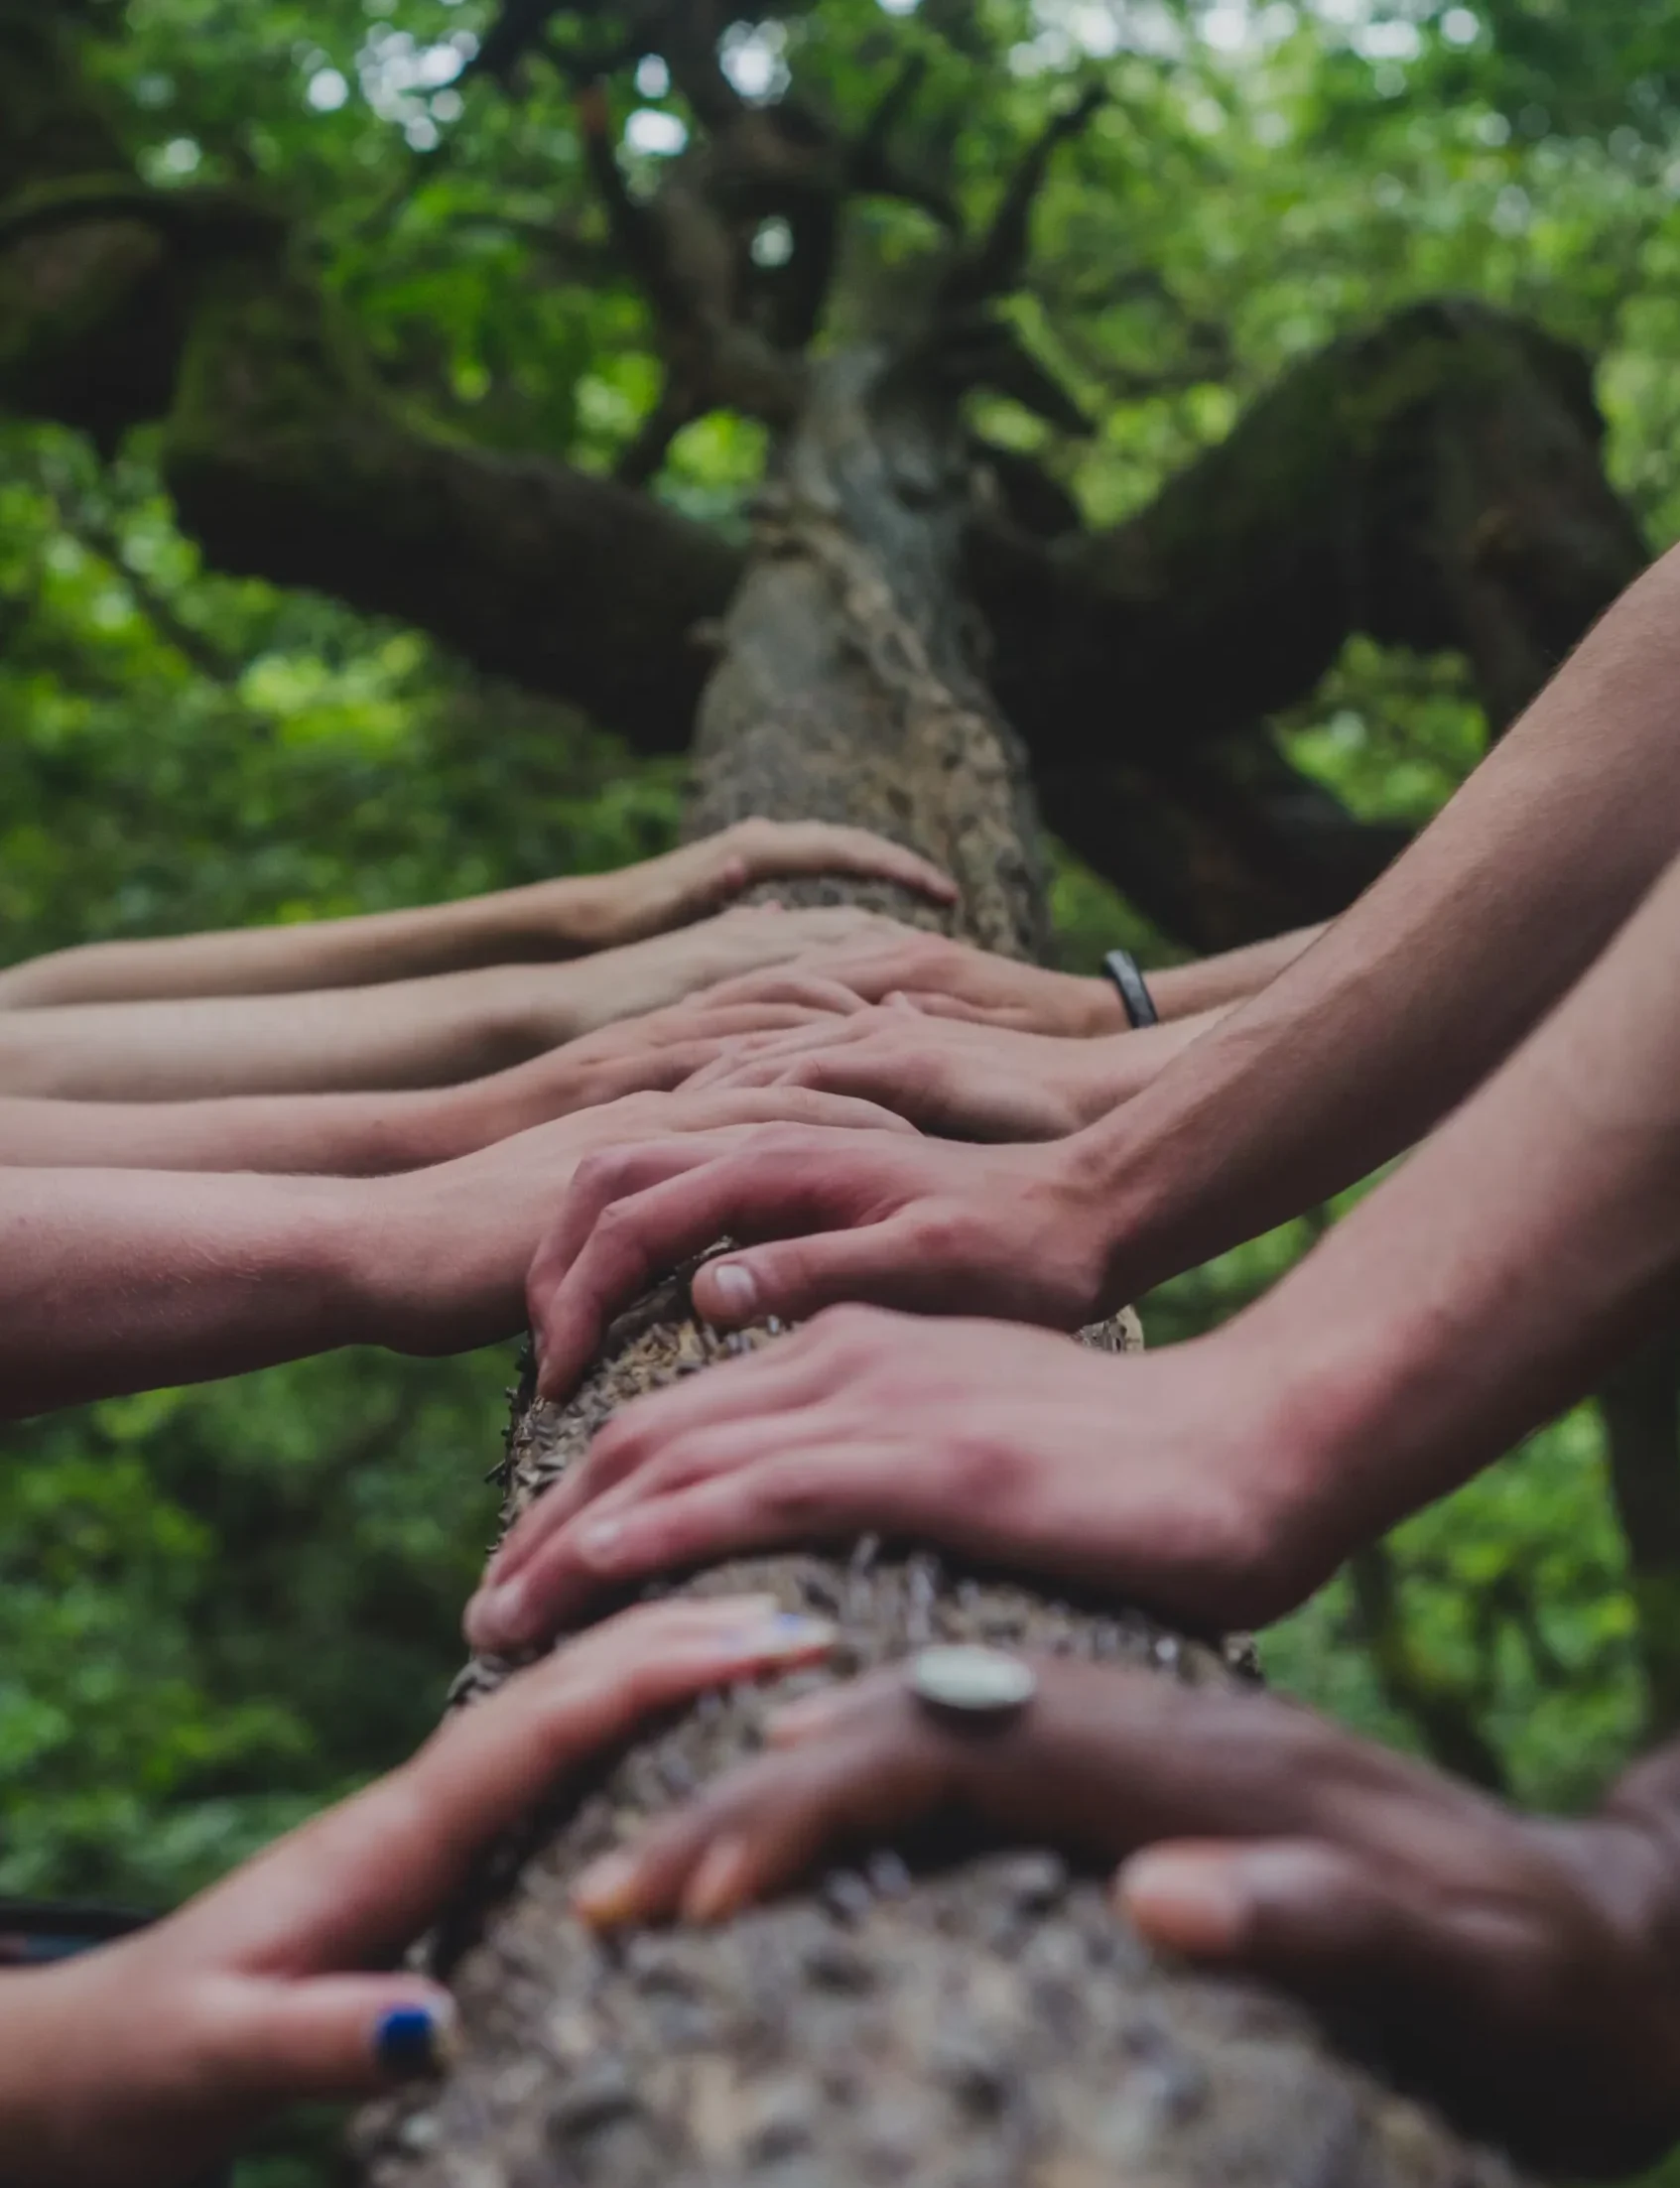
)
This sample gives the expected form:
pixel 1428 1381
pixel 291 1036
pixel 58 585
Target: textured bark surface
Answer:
pixel 941 2013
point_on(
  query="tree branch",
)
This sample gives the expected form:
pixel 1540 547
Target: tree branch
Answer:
pixel 1437 483
pixel 1000 263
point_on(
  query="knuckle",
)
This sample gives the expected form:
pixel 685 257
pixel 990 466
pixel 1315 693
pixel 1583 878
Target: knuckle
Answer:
pixel 848 1329
pixel 618 1228
pixel 795 1493
pixel 945 1233
pixel 600 1176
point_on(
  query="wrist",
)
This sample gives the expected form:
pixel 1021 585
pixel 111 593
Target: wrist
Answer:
pixel 1098 1007
pixel 377 1255
pixel 586 912
pixel 1117 1197
pixel 435 1260
pixel 434 1124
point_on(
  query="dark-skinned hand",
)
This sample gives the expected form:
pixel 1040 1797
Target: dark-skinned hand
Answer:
pixel 1527 1971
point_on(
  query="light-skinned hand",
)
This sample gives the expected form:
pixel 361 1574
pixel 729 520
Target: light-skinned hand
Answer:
pixel 140 2065
pixel 958 1078
pixel 438 1258
pixel 1016 1232
pixel 1151 1478
pixel 700 877
pixel 954 979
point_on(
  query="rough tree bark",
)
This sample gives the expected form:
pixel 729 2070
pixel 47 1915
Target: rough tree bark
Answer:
pixel 982 2018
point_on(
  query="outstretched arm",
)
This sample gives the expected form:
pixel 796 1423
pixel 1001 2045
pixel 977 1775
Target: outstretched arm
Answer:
pixel 941 978
pixel 961 1078
pixel 118 1280
pixel 431 1032
pixel 1385 1024
pixel 143 2064
pixel 1528 1972
pixel 353 1135
pixel 1534 1238
pixel 549 918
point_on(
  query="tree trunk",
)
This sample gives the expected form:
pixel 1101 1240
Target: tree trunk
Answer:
pixel 986 2019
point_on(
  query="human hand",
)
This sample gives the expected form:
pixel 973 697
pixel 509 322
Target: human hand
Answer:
pixel 696 878
pixel 962 1080
pixel 648 976
pixel 954 979
pixel 1011 1231
pixel 1527 1971
pixel 1152 1478
pixel 145 2062
pixel 653 1054
pixel 438 1258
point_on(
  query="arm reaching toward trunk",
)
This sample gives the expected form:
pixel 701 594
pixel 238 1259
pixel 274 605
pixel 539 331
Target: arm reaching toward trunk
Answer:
pixel 547 920
pixel 1379 1029
pixel 952 979
pixel 356 1135
pixel 960 1079
pixel 431 1032
pixel 145 2063
pixel 1488 1283
pixel 1527 1969
pixel 118 1280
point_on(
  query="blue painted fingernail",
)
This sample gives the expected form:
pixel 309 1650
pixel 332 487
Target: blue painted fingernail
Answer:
pixel 411 2042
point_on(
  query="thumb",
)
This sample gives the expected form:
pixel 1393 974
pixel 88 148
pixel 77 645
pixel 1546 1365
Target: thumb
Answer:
pixel 794 1277
pixel 1314 1917
pixel 333 2036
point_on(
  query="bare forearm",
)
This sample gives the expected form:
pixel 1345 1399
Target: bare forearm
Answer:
pixel 551 920
pixel 435 1031
pixel 1105 1073
pixel 1410 999
pixel 411 1033
pixel 1489 1282
pixel 354 1136
pixel 1212 983
pixel 118 1280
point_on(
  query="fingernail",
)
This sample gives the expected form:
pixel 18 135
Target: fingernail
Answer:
pixel 495 1615
pixel 734 1288
pixel 604 1894
pixel 1188 1902
pixel 787 1634
pixel 411 2042
pixel 715 1890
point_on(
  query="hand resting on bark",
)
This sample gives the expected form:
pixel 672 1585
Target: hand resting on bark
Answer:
pixel 1526 1969
pixel 545 920
pixel 119 1280
pixel 368 1134
pixel 142 2064
pixel 1455 1308
pixel 960 1079
pixel 434 1031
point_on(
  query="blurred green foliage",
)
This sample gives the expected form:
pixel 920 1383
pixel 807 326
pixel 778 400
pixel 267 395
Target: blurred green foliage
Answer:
pixel 221 1607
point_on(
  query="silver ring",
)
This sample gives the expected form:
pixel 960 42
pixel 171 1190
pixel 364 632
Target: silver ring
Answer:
pixel 971 1682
